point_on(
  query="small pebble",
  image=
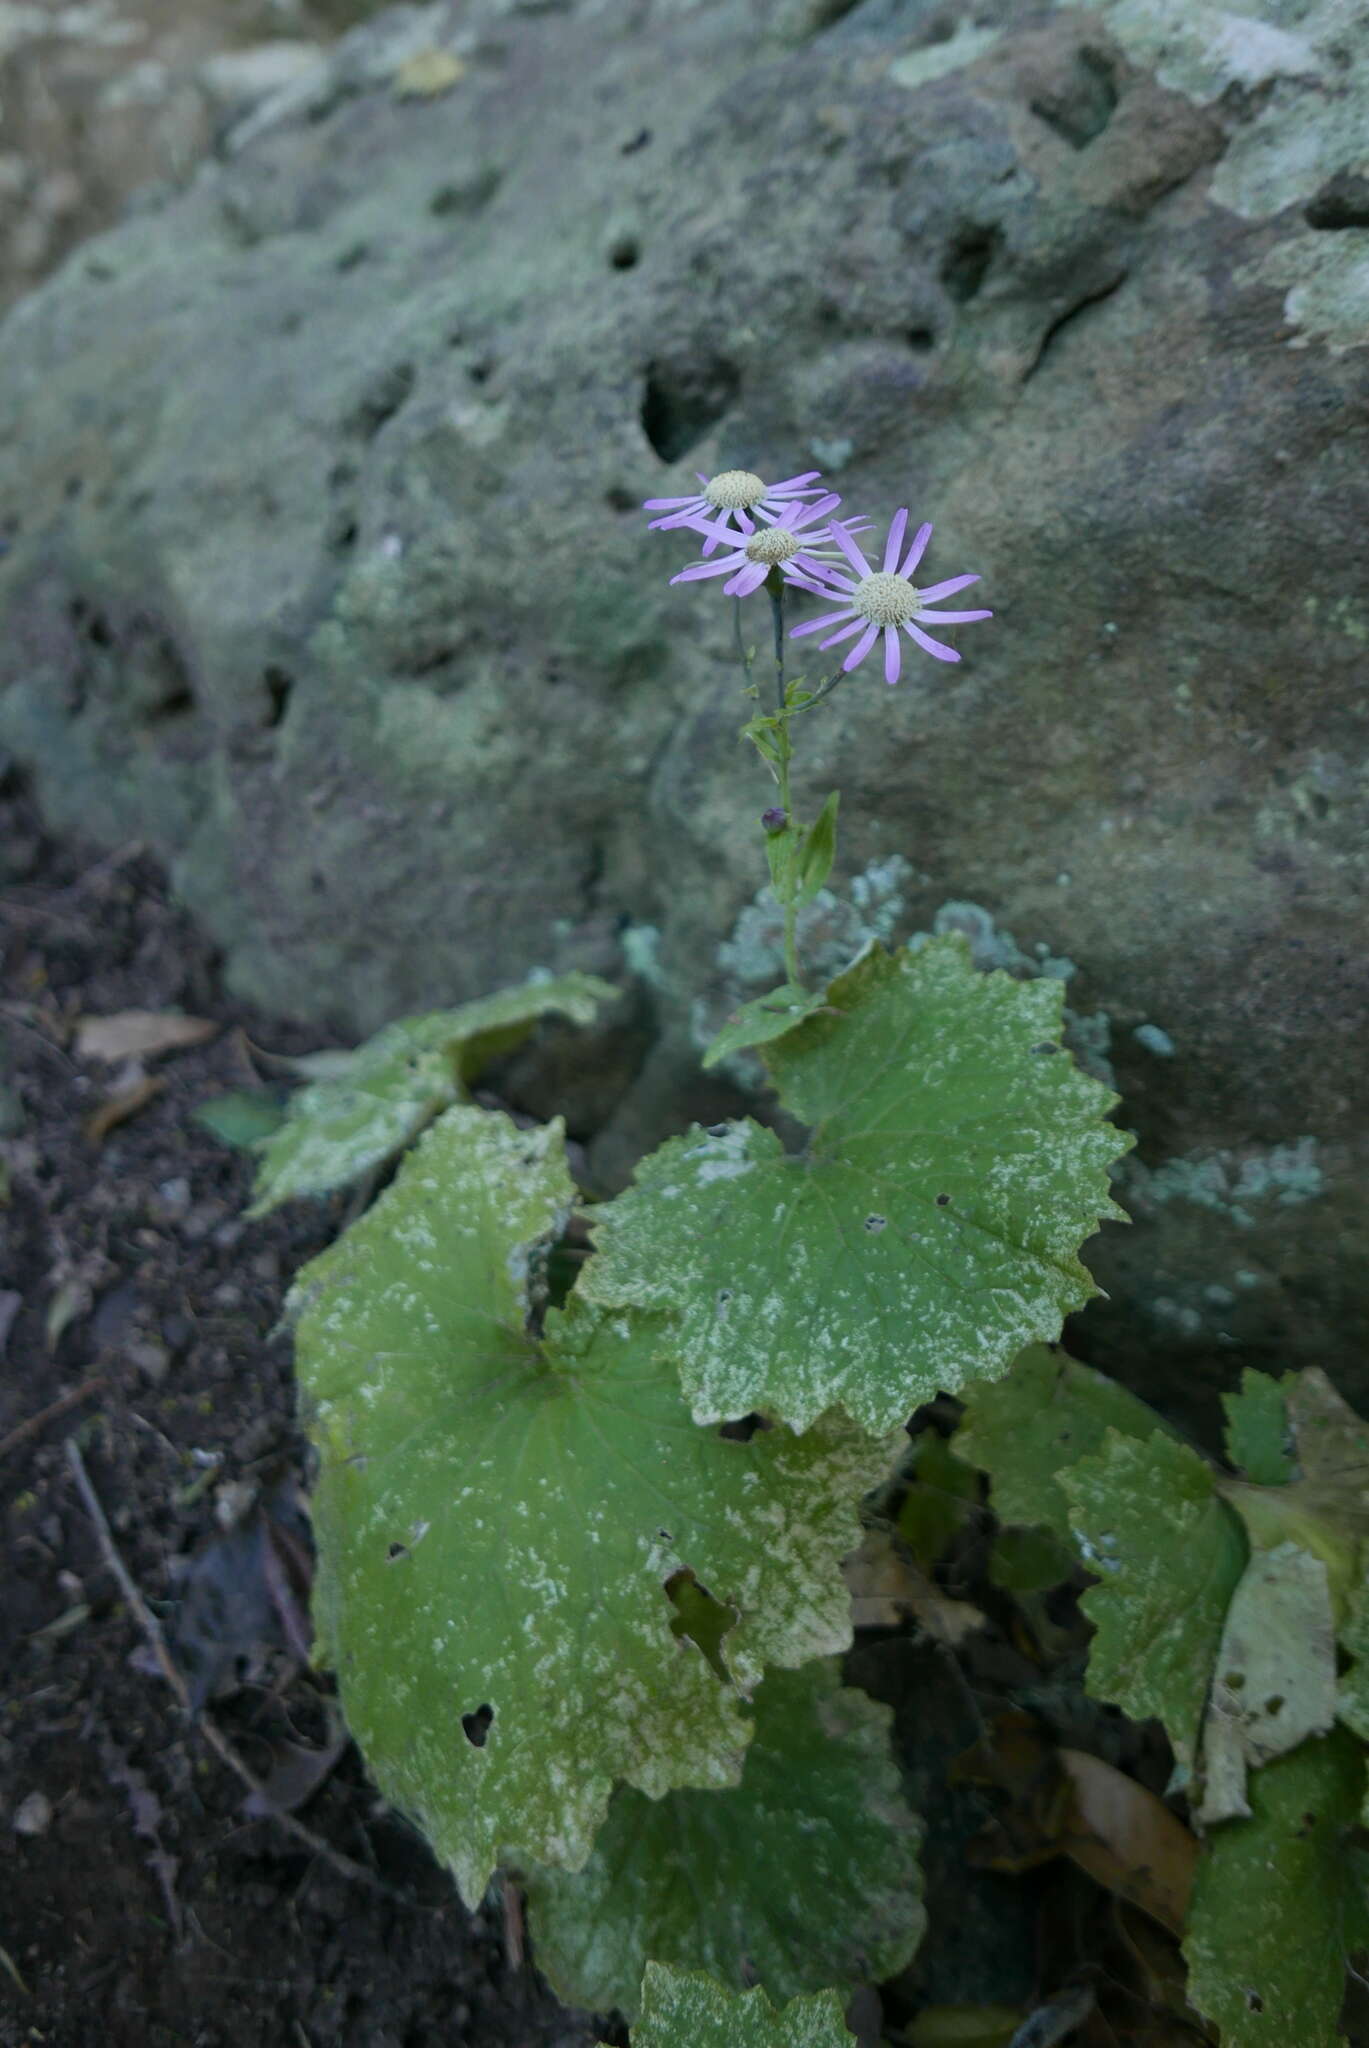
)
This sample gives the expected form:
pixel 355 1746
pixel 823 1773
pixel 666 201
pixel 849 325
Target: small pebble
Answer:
pixel 33 1816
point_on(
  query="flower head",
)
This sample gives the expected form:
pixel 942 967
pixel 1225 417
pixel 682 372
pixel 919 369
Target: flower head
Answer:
pixel 883 600
pixel 756 550
pixel 734 494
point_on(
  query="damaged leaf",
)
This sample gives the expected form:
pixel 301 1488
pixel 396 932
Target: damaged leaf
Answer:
pixel 498 1517
pixel 687 2009
pixel 928 1230
pixel 1279 1903
pixel 369 1104
pixel 802 1876
pixel 1169 1554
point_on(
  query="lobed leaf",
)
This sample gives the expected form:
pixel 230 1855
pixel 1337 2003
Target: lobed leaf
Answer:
pixel 1258 1434
pixel 1045 1414
pixel 1279 1903
pixel 760 1020
pixel 498 1515
pixel 804 1875
pixel 368 1105
pixel 928 1231
pixel 686 2009
pixel 1169 1554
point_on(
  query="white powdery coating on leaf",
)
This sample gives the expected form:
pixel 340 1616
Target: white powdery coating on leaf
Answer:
pixel 560 1485
pixel 927 1235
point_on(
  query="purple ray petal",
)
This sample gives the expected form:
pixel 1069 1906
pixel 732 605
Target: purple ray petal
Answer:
pixel 928 645
pixel 893 654
pixel 897 527
pixel 833 639
pixel 698 569
pixel 860 650
pixel 849 549
pixel 917 550
pixel 747 579
pixel 946 589
pixel 952 618
pixel 668 504
pixel 793 483
pixel 819 625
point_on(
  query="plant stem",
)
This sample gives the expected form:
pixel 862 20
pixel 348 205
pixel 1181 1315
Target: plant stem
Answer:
pixel 774 584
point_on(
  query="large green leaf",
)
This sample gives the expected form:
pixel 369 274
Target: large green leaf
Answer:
pixel 497 1518
pixel 376 1100
pixel 1279 1903
pixel 686 2009
pixel 1169 1554
pixel 926 1233
pixel 1042 1417
pixel 804 1875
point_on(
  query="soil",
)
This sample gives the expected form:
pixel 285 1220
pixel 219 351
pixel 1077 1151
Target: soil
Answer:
pixel 142 1904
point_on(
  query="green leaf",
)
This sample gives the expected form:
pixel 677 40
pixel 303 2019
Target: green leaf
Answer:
pixel 763 1018
pixel 1279 1904
pixel 497 1518
pixel 242 1118
pixel 805 1875
pixel 819 850
pixel 1169 1554
pixel 782 852
pixel 945 1492
pixel 686 2009
pixel 1257 1430
pixel 1325 1507
pixel 1042 1417
pixel 929 1229
pixel 357 1116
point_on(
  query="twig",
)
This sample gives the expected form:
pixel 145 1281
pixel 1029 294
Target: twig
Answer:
pixel 213 1735
pixel 36 1423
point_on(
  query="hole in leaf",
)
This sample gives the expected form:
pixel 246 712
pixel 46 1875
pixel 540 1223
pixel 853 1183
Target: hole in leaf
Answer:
pixel 1045 1046
pixel 718 1130
pixel 1274 1704
pixel 1254 2001
pixel 477 1726
pixel 395 1552
pixel 743 1428
pixel 700 1619
pixel 1234 1680
pixel 942 1201
pixel 874 1224
pixel 724 1296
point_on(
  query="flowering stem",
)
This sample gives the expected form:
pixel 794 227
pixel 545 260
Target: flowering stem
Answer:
pixel 784 754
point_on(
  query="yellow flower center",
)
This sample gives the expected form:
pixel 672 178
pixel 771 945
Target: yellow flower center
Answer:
pixel 772 544
pixel 733 490
pixel 887 600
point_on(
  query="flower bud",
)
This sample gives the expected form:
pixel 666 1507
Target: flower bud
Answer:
pixel 775 819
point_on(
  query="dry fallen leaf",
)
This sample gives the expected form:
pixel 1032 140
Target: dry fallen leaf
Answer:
pixel 122 1104
pixel 133 1034
pixel 886 1588
pixel 428 73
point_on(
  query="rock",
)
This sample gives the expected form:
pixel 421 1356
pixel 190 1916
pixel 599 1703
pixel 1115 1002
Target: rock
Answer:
pixel 327 575
pixel 33 1815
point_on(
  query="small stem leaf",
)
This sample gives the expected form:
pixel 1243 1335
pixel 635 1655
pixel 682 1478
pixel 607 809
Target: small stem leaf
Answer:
pixel 802 1876
pixel 375 1101
pixel 1045 1414
pixel 928 1232
pixel 819 851
pixel 783 850
pixel 763 1018
pixel 1169 1554
pixel 687 2009
pixel 498 1518
pixel 1279 1903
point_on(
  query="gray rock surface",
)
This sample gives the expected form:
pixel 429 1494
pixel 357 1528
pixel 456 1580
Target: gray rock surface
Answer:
pixel 326 574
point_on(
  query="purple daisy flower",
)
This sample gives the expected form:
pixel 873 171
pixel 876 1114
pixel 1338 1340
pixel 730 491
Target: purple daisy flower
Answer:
pixel 882 601
pixel 734 492
pixel 757 550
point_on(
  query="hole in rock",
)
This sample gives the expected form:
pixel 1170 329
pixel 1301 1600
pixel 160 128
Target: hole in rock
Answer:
pixel 619 500
pixel 1081 106
pixel 636 142
pixel 683 400
pixel 1342 202
pixel 477 1726
pixel 625 253
pixel 966 261
pixel 920 338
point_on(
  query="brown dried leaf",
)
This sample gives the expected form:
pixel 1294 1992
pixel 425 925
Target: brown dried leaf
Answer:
pixel 137 1034
pixel 887 1588
pixel 1128 1840
pixel 120 1106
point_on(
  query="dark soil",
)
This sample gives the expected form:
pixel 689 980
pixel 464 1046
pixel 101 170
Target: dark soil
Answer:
pixel 141 1902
